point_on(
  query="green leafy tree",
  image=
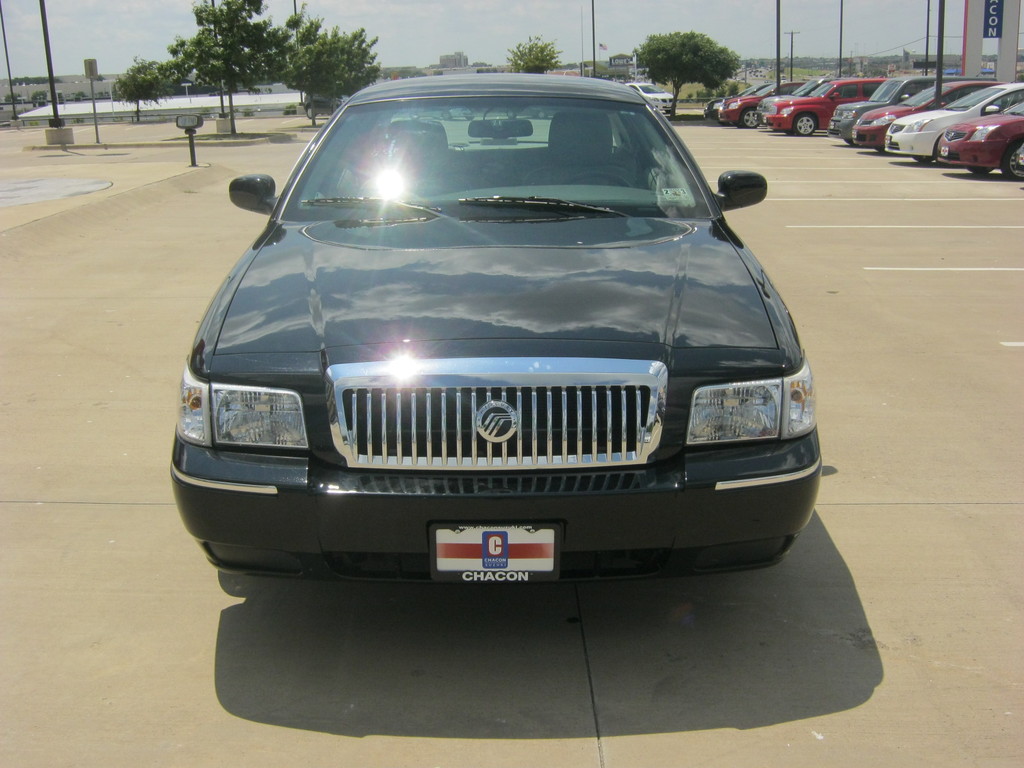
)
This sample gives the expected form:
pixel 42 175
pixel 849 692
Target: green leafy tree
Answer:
pixel 678 58
pixel 536 56
pixel 232 49
pixel 144 81
pixel 329 64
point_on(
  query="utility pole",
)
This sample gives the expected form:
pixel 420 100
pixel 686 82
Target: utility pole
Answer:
pixel 791 52
pixel 840 72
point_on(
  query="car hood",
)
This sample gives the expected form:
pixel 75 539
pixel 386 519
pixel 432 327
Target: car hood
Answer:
pixel 935 114
pixel 977 122
pixel 899 110
pixel 620 279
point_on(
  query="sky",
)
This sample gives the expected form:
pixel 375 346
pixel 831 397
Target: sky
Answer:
pixel 418 32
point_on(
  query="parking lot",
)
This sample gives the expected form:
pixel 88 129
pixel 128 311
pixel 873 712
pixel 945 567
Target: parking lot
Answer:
pixel 892 635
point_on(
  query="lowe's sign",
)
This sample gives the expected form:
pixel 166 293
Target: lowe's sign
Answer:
pixel 993 19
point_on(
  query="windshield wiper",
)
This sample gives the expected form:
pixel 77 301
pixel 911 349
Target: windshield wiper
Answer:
pixel 553 204
pixel 380 202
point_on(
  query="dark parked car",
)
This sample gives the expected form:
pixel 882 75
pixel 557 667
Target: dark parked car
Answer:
pixel 505 349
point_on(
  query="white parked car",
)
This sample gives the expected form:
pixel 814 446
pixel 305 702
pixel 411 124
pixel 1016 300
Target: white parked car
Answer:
pixel 918 135
pixel 655 95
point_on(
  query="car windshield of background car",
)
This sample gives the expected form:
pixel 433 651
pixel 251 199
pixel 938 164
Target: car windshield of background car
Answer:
pixel 974 99
pixel 821 90
pixel 766 88
pixel 886 91
pixel 805 89
pixel 922 98
pixel 435 152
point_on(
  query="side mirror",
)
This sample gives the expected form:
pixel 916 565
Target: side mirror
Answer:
pixel 739 189
pixel 254 193
pixel 992 109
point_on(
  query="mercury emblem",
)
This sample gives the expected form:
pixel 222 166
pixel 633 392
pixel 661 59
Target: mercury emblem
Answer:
pixel 496 421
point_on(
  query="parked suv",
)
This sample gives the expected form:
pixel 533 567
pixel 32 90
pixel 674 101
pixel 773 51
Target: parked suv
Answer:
pixel 712 107
pixel 741 111
pixel 765 105
pixel 895 90
pixel 806 114
pixel 870 128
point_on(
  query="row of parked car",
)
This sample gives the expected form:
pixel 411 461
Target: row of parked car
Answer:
pixel 972 122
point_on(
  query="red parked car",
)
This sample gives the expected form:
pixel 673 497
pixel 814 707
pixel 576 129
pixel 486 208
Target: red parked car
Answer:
pixel 741 111
pixel 806 114
pixel 872 125
pixel 984 143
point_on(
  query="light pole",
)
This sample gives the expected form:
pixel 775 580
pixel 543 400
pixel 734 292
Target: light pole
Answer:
pixel 791 33
pixel 840 72
pixel 55 121
pixel 10 83
pixel 593 38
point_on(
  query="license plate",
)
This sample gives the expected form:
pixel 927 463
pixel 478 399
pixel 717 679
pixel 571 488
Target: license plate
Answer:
pixel 944 151
pixel 494 553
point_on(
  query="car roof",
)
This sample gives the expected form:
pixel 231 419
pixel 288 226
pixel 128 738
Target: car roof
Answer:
pixel 498 85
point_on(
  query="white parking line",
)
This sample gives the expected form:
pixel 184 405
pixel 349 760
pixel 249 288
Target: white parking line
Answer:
pixel 904 226
pixel 944 269
pixel 893 200
pixel 1012 343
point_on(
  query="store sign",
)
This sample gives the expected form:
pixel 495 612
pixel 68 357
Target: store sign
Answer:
pixel 993 19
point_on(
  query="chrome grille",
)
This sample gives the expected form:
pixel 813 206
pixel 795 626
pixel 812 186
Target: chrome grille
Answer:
pixel 955 135
pixel 426 414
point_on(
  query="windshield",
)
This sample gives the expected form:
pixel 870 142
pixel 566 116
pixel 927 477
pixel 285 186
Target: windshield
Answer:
pixel 577 155
pixel 647 88
pixel 805 89
pixel 886 91
pixel 767 88
pixel 921 99
pixel 974 99
pixel 821 90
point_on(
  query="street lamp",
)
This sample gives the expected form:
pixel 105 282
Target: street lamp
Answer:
pixel 10 83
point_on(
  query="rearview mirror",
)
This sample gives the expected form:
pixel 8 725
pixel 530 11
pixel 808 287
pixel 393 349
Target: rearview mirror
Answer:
pixel 500 129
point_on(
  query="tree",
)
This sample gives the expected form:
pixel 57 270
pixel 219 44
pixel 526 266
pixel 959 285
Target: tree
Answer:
pixel 232 49
pixel 678 58
pixel 144 81
pixel 328 64
pixel 535 55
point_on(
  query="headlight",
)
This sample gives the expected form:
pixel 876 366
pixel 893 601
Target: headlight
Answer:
pixel 732 105
pixel 753 410
pixel 919 125
pixel 230 415
pixel 883 120
pixel 982 133
pixel 194 411
pixel 786 112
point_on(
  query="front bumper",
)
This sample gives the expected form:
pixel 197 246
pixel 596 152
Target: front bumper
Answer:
pixel 722 509
pixel 982 154
pixel 870 136
pixel 919 143
pixel 779 122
